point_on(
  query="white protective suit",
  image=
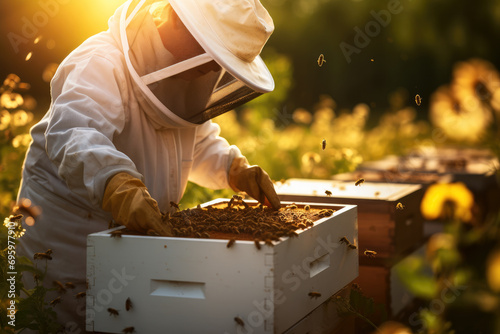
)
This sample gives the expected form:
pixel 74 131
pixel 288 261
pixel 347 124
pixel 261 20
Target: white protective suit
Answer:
pixel 98 125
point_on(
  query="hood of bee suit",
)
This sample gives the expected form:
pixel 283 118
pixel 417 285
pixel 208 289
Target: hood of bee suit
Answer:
pixel 168 99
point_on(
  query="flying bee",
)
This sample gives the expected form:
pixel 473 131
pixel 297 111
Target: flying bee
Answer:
pixel 344 240
pixel 112 311
pixel 328 193
pixel 400 206
pixel 321 60
pixel 352 246
pixel 60 286
pixel 55 301
pixel 130 329
pixel 257 244
pixel 80 294
pixel 359 182
pixel 128 304
pixel 230 243
pixel 370 253
pixel 314 294
pixel 174 205
pixel 418 100
pixel 323 144
pixel 239 321
pixel 116 234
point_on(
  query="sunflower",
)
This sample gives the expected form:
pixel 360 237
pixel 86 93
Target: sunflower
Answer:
pixel 475 81
pixel 447 201
pixel 461 119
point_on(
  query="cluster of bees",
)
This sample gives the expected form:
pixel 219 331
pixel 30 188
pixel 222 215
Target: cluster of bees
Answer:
pixel 243 221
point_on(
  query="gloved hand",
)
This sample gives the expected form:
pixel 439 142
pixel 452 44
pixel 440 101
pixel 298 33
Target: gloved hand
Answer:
pixel 254 181
pixel 128 200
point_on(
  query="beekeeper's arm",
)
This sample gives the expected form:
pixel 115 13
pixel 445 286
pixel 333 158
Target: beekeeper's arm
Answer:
pixel 87 111
pixel 217 165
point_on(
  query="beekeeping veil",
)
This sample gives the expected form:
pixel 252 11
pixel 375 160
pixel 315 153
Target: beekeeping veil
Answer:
pixel 231 33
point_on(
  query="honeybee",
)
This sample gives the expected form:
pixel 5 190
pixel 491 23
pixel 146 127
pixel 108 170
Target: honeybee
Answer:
pixel 128 304
pixel 257 244
pixel 80 294
pixel 352 246
pixel 174 205
pixel 355 286
pixel 55 301
pixel 321 60
pixel 307 207
pixel 323 144
pixel 400 206
pixel 60 286
pixel 130 329
pixel 359 182
pixel 418 100
pixel 370 253
pixel 205 235
pixel 291 207
pixel 230 243
pixel 239 321
pixel 112 311
pixel 269 242
pixel 328 193
pixel 344 240
pixel 45 255
pixel 116 234
pixel 69 285
pixel 292 234
pixel 314 294
pixel 152 232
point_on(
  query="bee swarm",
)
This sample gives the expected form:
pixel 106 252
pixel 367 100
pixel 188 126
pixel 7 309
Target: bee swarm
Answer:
pixel 242 221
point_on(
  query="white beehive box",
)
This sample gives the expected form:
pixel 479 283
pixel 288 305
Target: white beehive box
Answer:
pixel 189 285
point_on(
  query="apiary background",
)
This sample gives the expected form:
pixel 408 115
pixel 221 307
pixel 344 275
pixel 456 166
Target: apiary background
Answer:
pixel 392 233
pixel 171 281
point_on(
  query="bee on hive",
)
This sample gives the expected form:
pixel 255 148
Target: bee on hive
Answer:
pixel 344 240
pixel 116 234
pixel 174 205
pixel 314 294
pixel 80 294
pixel 55 301
pixel 321 60
pixel 370 253
pixel 400 206
pixel 257 244
pixel 328 193
pixel 112 311
pixel 359 182
pixel 230 243
pixel 352 246
pixel 128 304
pixel 239 321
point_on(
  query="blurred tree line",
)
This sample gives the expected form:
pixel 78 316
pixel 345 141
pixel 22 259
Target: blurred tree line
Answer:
pixel 414 48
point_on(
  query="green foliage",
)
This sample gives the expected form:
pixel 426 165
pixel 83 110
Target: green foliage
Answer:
pixel 32 310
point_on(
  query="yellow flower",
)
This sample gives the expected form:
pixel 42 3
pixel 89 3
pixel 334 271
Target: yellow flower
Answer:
pixel 460 119
pixel 447 201
pixel 11 100
pixel 4 119
pixel 20 118
pixel 493 271
pixel 475 79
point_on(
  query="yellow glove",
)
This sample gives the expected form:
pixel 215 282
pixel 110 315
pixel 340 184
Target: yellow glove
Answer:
pixel 254 181
pixel 128 200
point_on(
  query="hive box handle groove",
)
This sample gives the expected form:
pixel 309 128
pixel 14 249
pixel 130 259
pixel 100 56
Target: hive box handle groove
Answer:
pixel 178 289
pixel 318 265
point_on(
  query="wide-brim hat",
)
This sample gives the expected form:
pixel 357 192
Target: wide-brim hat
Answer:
pixel 233 33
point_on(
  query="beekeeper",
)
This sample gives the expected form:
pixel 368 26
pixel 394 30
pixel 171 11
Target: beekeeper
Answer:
pixel 129 125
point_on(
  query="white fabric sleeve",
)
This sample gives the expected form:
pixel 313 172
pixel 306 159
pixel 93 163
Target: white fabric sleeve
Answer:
pixel 87 110
pixel 212 157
